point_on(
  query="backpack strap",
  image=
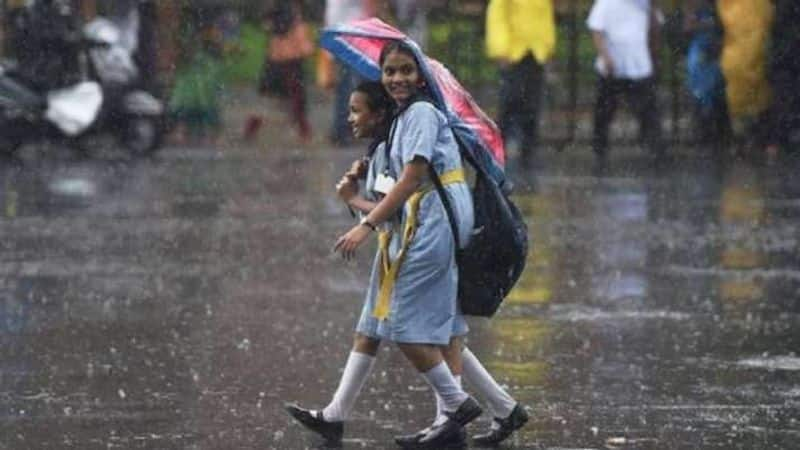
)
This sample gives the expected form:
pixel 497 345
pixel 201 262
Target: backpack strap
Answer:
pixel 448 207
pixel 431 171
pixel 480 172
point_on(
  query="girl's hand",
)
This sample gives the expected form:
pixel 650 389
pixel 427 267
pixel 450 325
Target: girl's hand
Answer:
pixel 347 188
pixel 358 169
pixel 349 242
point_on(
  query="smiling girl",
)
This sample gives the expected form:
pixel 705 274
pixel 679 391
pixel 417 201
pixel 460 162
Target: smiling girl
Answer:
pixel 411 298
pixel 414 283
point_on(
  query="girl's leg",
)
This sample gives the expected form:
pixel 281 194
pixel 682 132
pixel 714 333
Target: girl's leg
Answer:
pixel 452 356
pixel 356 371
pixel 366 345
pixel 459 408
pixel 508 414
pixel 464 364
pixel 329 422
pixel 482 381
pixel 428 360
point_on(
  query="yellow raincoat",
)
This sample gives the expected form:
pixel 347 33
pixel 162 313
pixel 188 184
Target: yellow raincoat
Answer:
pixel 747 26
pixel 516 27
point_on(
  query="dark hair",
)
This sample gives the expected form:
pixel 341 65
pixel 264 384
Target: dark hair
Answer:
pixel 282 17
pixel 377 98
pixel 397 46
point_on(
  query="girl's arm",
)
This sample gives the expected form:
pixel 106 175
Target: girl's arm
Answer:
pixel 413 175
pixel 361 204
pixel 347 189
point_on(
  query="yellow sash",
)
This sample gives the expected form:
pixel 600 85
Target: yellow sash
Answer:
pixel 390 269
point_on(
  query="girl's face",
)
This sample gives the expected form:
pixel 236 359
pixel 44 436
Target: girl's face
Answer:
pixel 400 76
pixel 363 121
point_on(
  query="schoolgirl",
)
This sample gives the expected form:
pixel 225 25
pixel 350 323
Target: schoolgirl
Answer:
pixel 365 117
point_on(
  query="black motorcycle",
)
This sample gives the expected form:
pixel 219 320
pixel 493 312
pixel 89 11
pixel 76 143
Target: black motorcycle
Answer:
pixel 72 84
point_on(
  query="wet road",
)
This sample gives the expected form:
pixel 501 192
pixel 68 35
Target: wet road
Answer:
pixel 177 303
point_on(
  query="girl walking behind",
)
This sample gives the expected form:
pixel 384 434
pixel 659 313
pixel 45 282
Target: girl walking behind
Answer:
pixel 509 415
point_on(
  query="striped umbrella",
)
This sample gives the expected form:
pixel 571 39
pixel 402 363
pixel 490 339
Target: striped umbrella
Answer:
pixel 359 44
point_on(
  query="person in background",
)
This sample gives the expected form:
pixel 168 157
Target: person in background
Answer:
pixel 704 75
pixel 784 75
pixel 289 47
pixel 339 12
pixel 625 34
pixel 47 42
pixel 195 101
pixel 521 37
pixel 744 60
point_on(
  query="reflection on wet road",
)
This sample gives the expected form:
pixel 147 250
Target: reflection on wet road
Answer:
pixel 177 303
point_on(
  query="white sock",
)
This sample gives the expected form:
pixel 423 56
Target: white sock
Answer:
pixel 476 375
pixel 440 417
pixel 356 371
pixel 444 384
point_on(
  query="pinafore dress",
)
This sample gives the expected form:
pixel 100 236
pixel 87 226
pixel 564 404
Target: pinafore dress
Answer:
pixel 418 304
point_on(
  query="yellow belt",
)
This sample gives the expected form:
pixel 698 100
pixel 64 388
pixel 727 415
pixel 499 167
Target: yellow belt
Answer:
pixel 390 269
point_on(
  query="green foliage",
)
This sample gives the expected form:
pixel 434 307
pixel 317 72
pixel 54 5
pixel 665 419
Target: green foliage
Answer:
pixel 459 44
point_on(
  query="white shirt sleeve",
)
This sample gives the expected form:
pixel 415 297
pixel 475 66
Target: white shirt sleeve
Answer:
pixel 597 16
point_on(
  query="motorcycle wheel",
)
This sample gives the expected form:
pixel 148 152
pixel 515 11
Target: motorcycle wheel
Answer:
pixel 142 136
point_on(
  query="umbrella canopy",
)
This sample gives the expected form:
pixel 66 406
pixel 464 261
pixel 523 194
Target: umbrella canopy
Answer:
pixel 359 45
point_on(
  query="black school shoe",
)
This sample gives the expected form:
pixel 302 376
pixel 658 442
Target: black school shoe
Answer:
pixel 510 424
pixel 410 440
pixel 331 431
pixel 448 435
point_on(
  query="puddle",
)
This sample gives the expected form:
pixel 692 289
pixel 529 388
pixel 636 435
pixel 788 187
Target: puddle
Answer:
pixel 77 187
pixel 597 315
pixel 772 363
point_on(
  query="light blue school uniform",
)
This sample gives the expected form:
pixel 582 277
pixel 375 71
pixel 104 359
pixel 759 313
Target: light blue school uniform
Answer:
pixel 423 307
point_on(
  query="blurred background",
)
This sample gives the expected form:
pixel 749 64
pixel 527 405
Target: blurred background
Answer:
pixel 455 34
pixel 176 301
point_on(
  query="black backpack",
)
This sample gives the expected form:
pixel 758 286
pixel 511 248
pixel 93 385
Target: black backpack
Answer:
pixel 494 259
